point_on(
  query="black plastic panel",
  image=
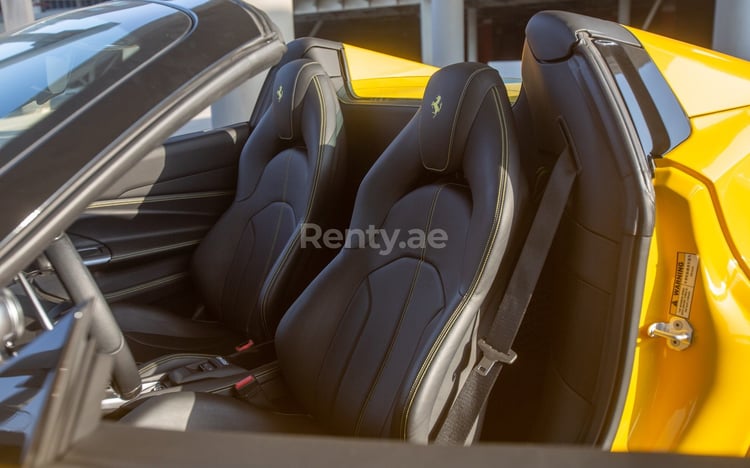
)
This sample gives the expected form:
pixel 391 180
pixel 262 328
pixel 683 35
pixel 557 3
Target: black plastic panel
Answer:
pixel 552 35
pixel 117 445
pixel 48 391
pixel 659 119
pixel 580 332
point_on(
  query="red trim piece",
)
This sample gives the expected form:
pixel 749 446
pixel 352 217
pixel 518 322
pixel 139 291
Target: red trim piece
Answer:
pixel 244 382
pixel 244 347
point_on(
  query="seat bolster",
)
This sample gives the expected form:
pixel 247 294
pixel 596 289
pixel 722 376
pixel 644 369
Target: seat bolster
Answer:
pixel 152 332
pixel 164 364
pixel 187 411
pixel 290 88
pixel 297 266
pixel 139 318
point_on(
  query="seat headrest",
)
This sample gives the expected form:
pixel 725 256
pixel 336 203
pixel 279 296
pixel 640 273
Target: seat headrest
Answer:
pixel 450 105
pixel 289 90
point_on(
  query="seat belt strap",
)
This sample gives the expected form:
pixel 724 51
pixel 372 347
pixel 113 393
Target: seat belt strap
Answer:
pixel 496 345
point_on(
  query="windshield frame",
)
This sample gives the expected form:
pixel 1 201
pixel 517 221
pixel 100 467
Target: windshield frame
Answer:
pixel 58 64
pixel 54 179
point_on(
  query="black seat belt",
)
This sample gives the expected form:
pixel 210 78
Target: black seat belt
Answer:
pixel 496 345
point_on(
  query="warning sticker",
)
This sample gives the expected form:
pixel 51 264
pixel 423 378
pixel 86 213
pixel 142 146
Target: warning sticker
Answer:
pixel 684 284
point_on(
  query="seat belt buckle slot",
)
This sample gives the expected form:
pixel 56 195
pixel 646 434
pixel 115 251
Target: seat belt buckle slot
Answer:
pixel 490 356
pixel 245 386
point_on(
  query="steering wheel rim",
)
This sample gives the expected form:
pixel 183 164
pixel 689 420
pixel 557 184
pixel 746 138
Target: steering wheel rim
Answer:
pixel 82 287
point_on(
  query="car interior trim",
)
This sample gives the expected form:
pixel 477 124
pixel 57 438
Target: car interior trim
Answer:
pixel 161 249
pixel 157 198
pixel 124 293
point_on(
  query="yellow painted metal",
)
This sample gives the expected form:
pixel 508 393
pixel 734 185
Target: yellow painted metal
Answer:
pixel 723 163
pixel 376 75
pixel 693 401
pixel 704 81
pixel 696 401
pixel 514 89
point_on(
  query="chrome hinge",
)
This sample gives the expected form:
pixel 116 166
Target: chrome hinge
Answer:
pixel 677 332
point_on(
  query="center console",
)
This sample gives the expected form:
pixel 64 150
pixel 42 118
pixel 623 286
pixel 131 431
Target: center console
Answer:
pixel 197 373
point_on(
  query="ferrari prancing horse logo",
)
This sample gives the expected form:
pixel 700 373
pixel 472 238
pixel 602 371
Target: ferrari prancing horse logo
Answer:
pixel 437 105
pixel 279 93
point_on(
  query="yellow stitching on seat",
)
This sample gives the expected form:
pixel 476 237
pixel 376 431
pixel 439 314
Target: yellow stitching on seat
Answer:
pixel 453 125
pixel 269 262
pixel 313 191
pixel 499 208
pixel 294 94
pixel 405 308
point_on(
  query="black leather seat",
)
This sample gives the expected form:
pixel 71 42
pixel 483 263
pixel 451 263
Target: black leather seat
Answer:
pixel 251 266
pixel 378 344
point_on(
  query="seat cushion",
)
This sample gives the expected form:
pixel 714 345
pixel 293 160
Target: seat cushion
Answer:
pixel 187 411
pixel 151 332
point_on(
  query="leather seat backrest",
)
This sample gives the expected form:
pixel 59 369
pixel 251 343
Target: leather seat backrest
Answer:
pixel 379 341
pixel 251 265
pixel 323 51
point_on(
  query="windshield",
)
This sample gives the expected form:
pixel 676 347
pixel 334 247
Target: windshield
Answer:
pixel 44 65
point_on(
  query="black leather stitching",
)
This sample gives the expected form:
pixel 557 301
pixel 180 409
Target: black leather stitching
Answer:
pixel 499 209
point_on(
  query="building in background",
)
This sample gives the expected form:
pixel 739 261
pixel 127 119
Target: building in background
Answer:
pixel 440 32
pixel 497 26
pixel 489 29
pixel 25 10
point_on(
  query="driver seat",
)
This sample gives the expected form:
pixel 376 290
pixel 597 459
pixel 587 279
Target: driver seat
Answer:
pixel 379 343
pixel 251 265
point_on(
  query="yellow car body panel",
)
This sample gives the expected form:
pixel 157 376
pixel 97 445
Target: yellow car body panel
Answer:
pixel 705 81
pixel 692 401
pixel 376 75
pixel 695 401
pixel 381 76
